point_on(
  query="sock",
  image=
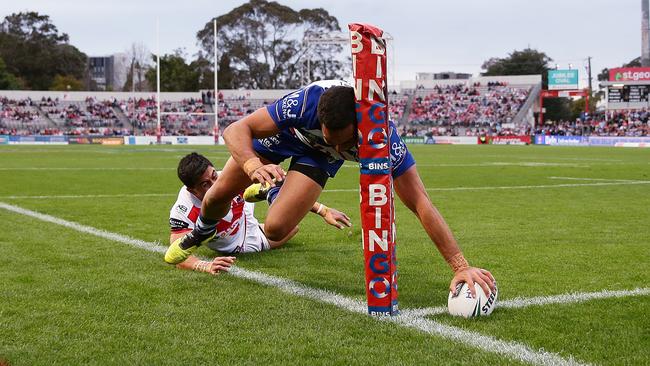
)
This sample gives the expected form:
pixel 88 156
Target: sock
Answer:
pixel 205 225
pixel 272 194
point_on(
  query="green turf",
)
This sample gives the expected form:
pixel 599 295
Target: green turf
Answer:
pixel 70 298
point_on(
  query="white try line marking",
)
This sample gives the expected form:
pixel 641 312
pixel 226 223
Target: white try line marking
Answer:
pixel 608 182
pixel 74 196
pixel 597 179
pixel 567 185
pixel 511 349
pixel 519 302
pixel 539 157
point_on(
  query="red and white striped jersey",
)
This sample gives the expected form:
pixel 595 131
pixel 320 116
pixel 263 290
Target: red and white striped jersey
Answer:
pixel 231 229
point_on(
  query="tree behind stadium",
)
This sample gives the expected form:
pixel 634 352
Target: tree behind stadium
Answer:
pixel 261 46
pixel 35 52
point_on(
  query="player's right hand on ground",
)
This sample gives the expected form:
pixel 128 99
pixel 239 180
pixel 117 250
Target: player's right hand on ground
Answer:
pixel 220 264
pixel 336 218
pixel 269 173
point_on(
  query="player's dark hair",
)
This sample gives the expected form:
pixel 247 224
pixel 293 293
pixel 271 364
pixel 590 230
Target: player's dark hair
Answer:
pixel 191 168
pixel 336 107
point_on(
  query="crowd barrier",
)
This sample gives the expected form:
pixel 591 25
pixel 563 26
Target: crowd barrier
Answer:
pixel 106 140
pixel 510 140
pixel 617 141
pixel 33 140
pixel 445 140
pixel 171 140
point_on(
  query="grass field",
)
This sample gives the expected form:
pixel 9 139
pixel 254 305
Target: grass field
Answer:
pixel 546 221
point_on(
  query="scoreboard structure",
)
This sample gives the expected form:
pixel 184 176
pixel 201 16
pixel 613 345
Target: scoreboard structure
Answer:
pixel 628 88
pixel 634 94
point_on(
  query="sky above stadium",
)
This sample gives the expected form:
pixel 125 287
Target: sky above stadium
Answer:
pixel 430 36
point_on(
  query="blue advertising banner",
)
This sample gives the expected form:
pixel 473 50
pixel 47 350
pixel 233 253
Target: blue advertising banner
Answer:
pixel 38 140
pixel 561 140
pixel 616 140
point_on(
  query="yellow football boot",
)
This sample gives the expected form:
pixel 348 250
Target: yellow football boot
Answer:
pixel 256 192
pixel 184 246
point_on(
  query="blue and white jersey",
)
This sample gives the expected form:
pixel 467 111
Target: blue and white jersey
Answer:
pixel 295 114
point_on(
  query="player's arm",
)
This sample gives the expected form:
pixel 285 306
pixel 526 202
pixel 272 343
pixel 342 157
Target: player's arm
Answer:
pixel 193 263
pixel 331 215
pixel 411 191
pixel 239 138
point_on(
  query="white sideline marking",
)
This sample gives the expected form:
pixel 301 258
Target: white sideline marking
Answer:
pixel 519 302
pixel 616 182
pixel 596 179
pixel 125 195
pixel 513 350
pixel 517 187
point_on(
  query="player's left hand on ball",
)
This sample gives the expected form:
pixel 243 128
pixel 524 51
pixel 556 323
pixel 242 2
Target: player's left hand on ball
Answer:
pixel 472 274
pixel 221 264
pixel 268 174
pixel 337 218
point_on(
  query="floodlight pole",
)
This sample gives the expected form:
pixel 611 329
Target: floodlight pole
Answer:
pixel 158 129
pixel 215 95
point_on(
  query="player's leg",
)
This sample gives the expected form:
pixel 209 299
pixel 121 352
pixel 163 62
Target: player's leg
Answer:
pixel 232 180
pixel 216 204
pixel 278 243
pixel 300 190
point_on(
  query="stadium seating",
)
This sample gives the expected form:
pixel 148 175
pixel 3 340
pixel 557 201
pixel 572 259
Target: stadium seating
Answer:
pixel 620 123
pixel 452 109
pixel 465 109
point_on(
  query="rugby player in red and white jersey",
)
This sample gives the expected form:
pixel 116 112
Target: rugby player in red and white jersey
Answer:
pixel 238 231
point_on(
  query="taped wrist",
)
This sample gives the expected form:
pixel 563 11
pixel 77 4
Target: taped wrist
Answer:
pixel 251 165
pixel 322 210
pixel 458 262
pixel 201 266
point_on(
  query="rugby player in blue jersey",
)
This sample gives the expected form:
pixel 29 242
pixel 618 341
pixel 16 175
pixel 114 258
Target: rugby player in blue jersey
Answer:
pixel 316 128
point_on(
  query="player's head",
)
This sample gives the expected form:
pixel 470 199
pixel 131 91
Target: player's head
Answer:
pixel 337 116
pixel 197 173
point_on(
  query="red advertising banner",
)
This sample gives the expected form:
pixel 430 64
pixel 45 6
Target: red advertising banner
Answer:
pixel 629 74
pixel 510 140
pixel 376 182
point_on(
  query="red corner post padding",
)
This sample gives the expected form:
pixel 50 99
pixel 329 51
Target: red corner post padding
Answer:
pixel 377 216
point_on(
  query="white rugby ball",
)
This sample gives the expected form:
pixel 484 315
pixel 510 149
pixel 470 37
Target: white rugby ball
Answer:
pixel 461 302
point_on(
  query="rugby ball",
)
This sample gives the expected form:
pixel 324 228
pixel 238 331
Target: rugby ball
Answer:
pixel 461 302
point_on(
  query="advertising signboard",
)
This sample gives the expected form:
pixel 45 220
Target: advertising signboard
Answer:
pixel 621 74
pixel 562 79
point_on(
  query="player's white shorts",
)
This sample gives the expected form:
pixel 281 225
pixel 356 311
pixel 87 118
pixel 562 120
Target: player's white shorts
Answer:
pixel 254 240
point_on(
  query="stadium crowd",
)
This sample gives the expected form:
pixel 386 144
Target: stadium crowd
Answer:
pixel 467 110
pixel 455 110
pixel 630 123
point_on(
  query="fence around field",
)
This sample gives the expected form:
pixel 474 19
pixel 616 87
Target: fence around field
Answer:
pixel 617 141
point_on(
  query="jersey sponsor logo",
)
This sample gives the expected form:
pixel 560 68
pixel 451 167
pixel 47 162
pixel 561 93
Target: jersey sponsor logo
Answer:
pixel 182 209
pixel 290 104
pixel 231 227
pixel 270 142
pixel 176 224
pixel 398 152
